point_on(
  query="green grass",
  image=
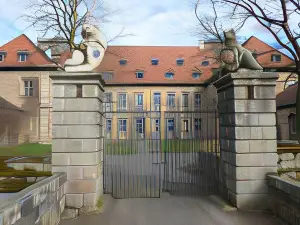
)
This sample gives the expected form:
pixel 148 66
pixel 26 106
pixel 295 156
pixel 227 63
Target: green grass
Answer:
pixel 127 147
pixel 120 147
pixel 28 149
pixel 184 145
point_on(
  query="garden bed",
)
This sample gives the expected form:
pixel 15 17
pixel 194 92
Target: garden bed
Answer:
pixel 13 180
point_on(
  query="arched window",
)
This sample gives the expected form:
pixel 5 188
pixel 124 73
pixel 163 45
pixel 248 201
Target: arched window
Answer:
pixel 292 123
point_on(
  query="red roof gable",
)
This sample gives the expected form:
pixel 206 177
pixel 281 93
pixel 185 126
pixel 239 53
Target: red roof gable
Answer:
pixel 36 56
pixel 264 53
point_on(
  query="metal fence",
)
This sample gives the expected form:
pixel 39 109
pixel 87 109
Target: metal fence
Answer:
pixel 147 152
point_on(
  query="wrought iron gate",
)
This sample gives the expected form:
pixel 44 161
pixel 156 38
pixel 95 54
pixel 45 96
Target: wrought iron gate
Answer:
pixel 132 156
pixel 191 150
pixel 147 152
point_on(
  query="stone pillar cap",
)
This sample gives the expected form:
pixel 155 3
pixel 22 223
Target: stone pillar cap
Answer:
pixel 246 77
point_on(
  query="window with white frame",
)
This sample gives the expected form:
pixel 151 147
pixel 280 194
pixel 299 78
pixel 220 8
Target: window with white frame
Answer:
pixel 171 100
pixel 139 74
pixel 170 124
pixel 185 100
pixel 122 128
pixel 197 125
pixel 156 101
pixel 1 57
pixel 107 76
pixel 185 126
pixel 122 101
pixel 197 100
pixel 28 87
pixel 276 58
pixel 108 126
pixel 108 102
pixel 22 57
pixel 139 100
pixel 292 123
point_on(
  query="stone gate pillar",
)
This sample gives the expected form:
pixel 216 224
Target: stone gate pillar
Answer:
pixel 77 144
pixel 247 136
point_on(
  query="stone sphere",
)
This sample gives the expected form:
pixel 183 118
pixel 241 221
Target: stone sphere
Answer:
pixel 228 56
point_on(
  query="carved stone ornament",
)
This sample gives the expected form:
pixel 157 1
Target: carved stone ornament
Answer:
pixel 234 56
pixel 91 51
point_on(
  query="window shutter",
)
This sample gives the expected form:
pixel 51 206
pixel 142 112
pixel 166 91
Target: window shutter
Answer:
pixel 35 84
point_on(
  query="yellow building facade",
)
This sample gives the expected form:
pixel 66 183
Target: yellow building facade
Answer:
pixel 158 112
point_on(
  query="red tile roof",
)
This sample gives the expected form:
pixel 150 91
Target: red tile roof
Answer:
pixel 287 97
pixel 35 58
pixel 139 59
pixel 264 52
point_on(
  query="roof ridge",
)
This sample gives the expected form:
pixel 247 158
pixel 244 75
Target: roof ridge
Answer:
pixel 13 40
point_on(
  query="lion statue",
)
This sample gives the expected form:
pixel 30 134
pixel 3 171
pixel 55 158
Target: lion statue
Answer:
pixel 234 56
pixel 91 51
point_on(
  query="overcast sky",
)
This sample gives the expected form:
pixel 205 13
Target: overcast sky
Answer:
pixel 153 22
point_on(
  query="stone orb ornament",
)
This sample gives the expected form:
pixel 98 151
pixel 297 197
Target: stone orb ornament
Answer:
pixel 228 56
pixel 96 53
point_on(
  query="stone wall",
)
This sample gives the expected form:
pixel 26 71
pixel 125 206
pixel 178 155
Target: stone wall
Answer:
pixel 288 160
pixel 247 136
pixel 284 199
pixel 77 145
pixel 41 203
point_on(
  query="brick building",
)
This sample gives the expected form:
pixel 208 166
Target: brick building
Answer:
pixel 286 113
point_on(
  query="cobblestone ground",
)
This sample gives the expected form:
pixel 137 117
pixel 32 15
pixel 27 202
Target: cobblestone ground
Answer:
pixel 170 210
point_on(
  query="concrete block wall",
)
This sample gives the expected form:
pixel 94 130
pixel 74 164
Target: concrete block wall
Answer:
pixel 284 199
pixel 77 130
pixel 40 204
pixel 247 136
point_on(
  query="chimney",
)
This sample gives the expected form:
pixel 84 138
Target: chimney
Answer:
pixel 202 44
pixel 53 47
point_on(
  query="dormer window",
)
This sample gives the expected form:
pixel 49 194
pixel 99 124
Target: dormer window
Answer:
pixel 196 75
pixel 107 76
pixel 23 56
pixel 123 62
pixel 205 63
pixel 2 56
pixel 139 74
pixel 276 58
pixel 169 75
pixel 180 62
pixel 154 61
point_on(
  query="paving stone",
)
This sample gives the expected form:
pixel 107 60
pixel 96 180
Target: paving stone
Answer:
pixel 69 213
pixel 74 200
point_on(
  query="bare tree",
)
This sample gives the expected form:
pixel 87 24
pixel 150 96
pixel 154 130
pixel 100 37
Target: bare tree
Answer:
pixel 282 19
pixel 211 25
pixel 64 18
